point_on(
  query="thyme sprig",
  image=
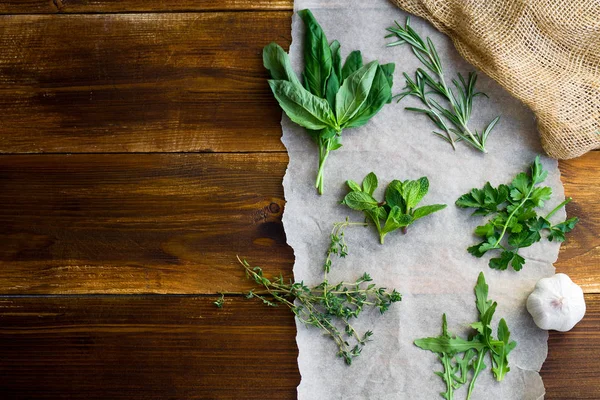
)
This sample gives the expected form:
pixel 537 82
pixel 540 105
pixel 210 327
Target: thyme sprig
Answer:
pixel 338 245
pixel 451 121
pixel 327 307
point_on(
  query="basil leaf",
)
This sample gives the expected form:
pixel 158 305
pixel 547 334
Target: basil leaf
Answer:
pixel 301 106
pixel 380 95
pixel 317 56
pixel 353 63
pixel 334 81
pixel 278 63
pixel 354 92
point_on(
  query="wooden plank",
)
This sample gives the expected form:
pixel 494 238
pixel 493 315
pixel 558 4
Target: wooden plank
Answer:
pixel 145 223
pixel 103 6
pixel 571 370
pixel 580 254
pixel 180 347
pixel 173 223
pixel 139 82
pixel 145 348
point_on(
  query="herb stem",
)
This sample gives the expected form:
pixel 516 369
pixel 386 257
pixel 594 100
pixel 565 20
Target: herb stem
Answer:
pixel 525 198
pixel 323 154
pixel 558 207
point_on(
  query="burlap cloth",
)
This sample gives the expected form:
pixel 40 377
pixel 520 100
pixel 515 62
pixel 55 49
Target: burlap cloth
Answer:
pixel 544 52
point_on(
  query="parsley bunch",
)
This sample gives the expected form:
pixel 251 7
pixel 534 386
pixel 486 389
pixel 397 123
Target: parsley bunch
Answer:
pixel 460 357
pixel 331 97
pixel 515 223
pixel 398 210
pixel 452 121
pixel 328 307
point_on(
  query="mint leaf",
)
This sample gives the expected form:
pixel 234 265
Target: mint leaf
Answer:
pixel 369 184
pixel 355 187
pixel 360 201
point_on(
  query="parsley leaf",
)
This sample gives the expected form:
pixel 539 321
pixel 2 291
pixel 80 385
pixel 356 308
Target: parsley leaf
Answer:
pixel 514 222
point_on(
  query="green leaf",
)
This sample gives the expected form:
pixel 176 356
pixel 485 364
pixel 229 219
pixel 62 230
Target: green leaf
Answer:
pixel 317 55
pixel 360 201
pixel 486 230
pixel 520 186
pixel 393 195
pixel 500 352
pixel 353 63
pixel 538 175
pixel 369 184
pixel 335 78
pixel 355 187
pixel 502 262
pixel 517 262
pixel 426 210
pixel 354 92
pixel 379 95
pixel 481 295
pixel 301 106
pixel 540 195
pixel 276 60
pixel 448 345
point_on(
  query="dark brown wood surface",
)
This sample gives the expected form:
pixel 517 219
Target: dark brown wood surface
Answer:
pixel 95 247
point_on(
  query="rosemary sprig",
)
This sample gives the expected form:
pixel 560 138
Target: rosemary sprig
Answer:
pixel 327 307
pixel 452 121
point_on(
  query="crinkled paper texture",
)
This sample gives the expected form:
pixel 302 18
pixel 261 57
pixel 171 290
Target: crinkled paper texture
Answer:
pixel 429 265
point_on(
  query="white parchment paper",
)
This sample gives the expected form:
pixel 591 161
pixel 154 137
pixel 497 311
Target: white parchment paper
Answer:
pixel 430 265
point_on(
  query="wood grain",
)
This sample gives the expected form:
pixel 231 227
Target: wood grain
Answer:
pixel 139 82
pixel 158 347
pixel 580 255
pixel 173 223
pixel 571 370
pixel 155 223
pixel 103 6
pixel 163 347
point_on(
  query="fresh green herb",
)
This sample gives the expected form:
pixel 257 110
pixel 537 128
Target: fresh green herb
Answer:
pixel 220 301
pixel 327 307
pixel 398 210
pixel 452 121
pixel 338 244
pixel 332 97
pixel 460 356
pixel 515 223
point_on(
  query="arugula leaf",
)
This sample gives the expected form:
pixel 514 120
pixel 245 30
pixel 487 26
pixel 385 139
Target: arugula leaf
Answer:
pixel 354 92
pixel 317 55
pixel 500 354
pixel 514 223
pixel 449 347
pixel 398 210
pixel 301 106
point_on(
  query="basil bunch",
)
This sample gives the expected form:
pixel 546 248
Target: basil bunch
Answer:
pixel 332 97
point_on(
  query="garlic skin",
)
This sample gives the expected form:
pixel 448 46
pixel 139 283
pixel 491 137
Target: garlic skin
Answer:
pixel 556 303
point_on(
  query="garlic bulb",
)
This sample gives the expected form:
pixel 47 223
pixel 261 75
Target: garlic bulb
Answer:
pixel 556 303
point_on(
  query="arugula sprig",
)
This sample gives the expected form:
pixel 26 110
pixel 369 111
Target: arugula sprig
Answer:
pixel 515 223
pixel 327 307
pixel 462 358
pixel 398 210
pixel 331 97
pixel 452 122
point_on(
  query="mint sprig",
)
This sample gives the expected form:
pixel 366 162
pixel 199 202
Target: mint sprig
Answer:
pixel 398 210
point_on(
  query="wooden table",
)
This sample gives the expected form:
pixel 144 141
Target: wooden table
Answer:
pixel 140 153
